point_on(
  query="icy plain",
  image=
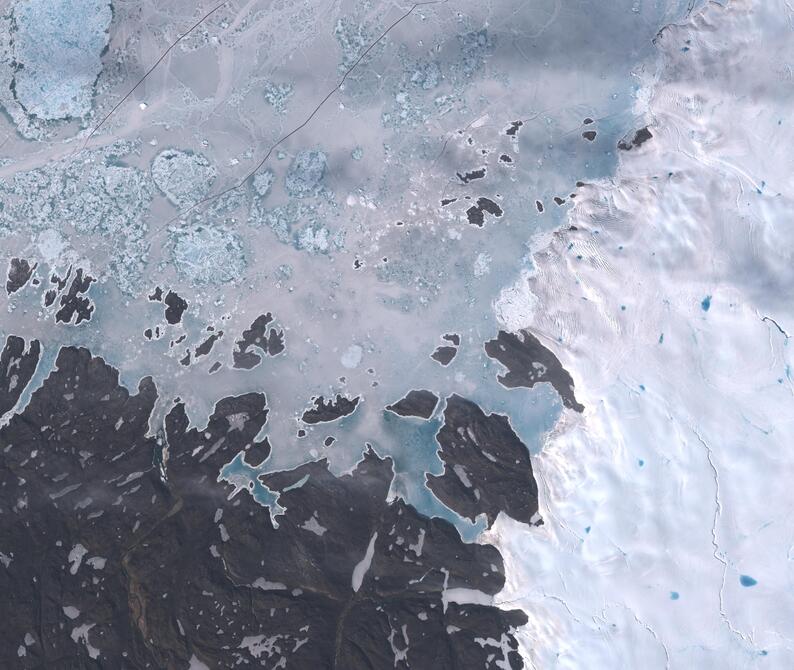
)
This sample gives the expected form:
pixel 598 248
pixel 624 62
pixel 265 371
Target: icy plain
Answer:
pixel 669 542
pixel 336 203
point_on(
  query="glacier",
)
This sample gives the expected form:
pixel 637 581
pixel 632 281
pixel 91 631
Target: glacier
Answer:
pixel 553 229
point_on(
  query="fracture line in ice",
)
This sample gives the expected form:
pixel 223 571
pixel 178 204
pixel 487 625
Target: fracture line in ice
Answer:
pixel 718 553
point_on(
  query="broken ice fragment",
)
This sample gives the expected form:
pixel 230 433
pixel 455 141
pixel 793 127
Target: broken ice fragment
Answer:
pixel 183 176
pixel 305 175
pixel 56 49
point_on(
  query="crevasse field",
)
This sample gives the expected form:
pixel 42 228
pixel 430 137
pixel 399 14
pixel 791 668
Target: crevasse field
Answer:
pixel 351 334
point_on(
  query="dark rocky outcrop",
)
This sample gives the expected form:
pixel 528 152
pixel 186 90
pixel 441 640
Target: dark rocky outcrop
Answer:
pixel 486 466
pixel 528 363
pixel 330 410
pixel 123 550
pixel 418 403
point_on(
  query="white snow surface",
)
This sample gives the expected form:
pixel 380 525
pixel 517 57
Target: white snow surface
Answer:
pixel 681 465
pixel 362 567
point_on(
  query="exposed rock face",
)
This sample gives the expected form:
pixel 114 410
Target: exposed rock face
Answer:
pixel 19 273
pixel 175 307
pixel 330 410
pixel 528 363
pixel 640 137
pixel 486 466
pixel 420 404
pixel 268 339
pixel 444 354
pixel 18 362
pixel 114 556
pixel 75 305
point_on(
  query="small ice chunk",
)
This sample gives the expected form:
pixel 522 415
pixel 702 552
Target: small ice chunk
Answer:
pixel 80 634
pixel 461 473
pixel 97 562
pixel 482 264
pixel 257 645
pixel 208 255
pixel 305 175
pixel 184 177
pixel 196 664
pixel 420 543
pixel 314 526
pixel 263 181
pixel 262 583
pixel 362 567
pixel 515 307
pixel 352 356
pixel 464 596
pixel 76 557
pixel 57 47
pixel 71 611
